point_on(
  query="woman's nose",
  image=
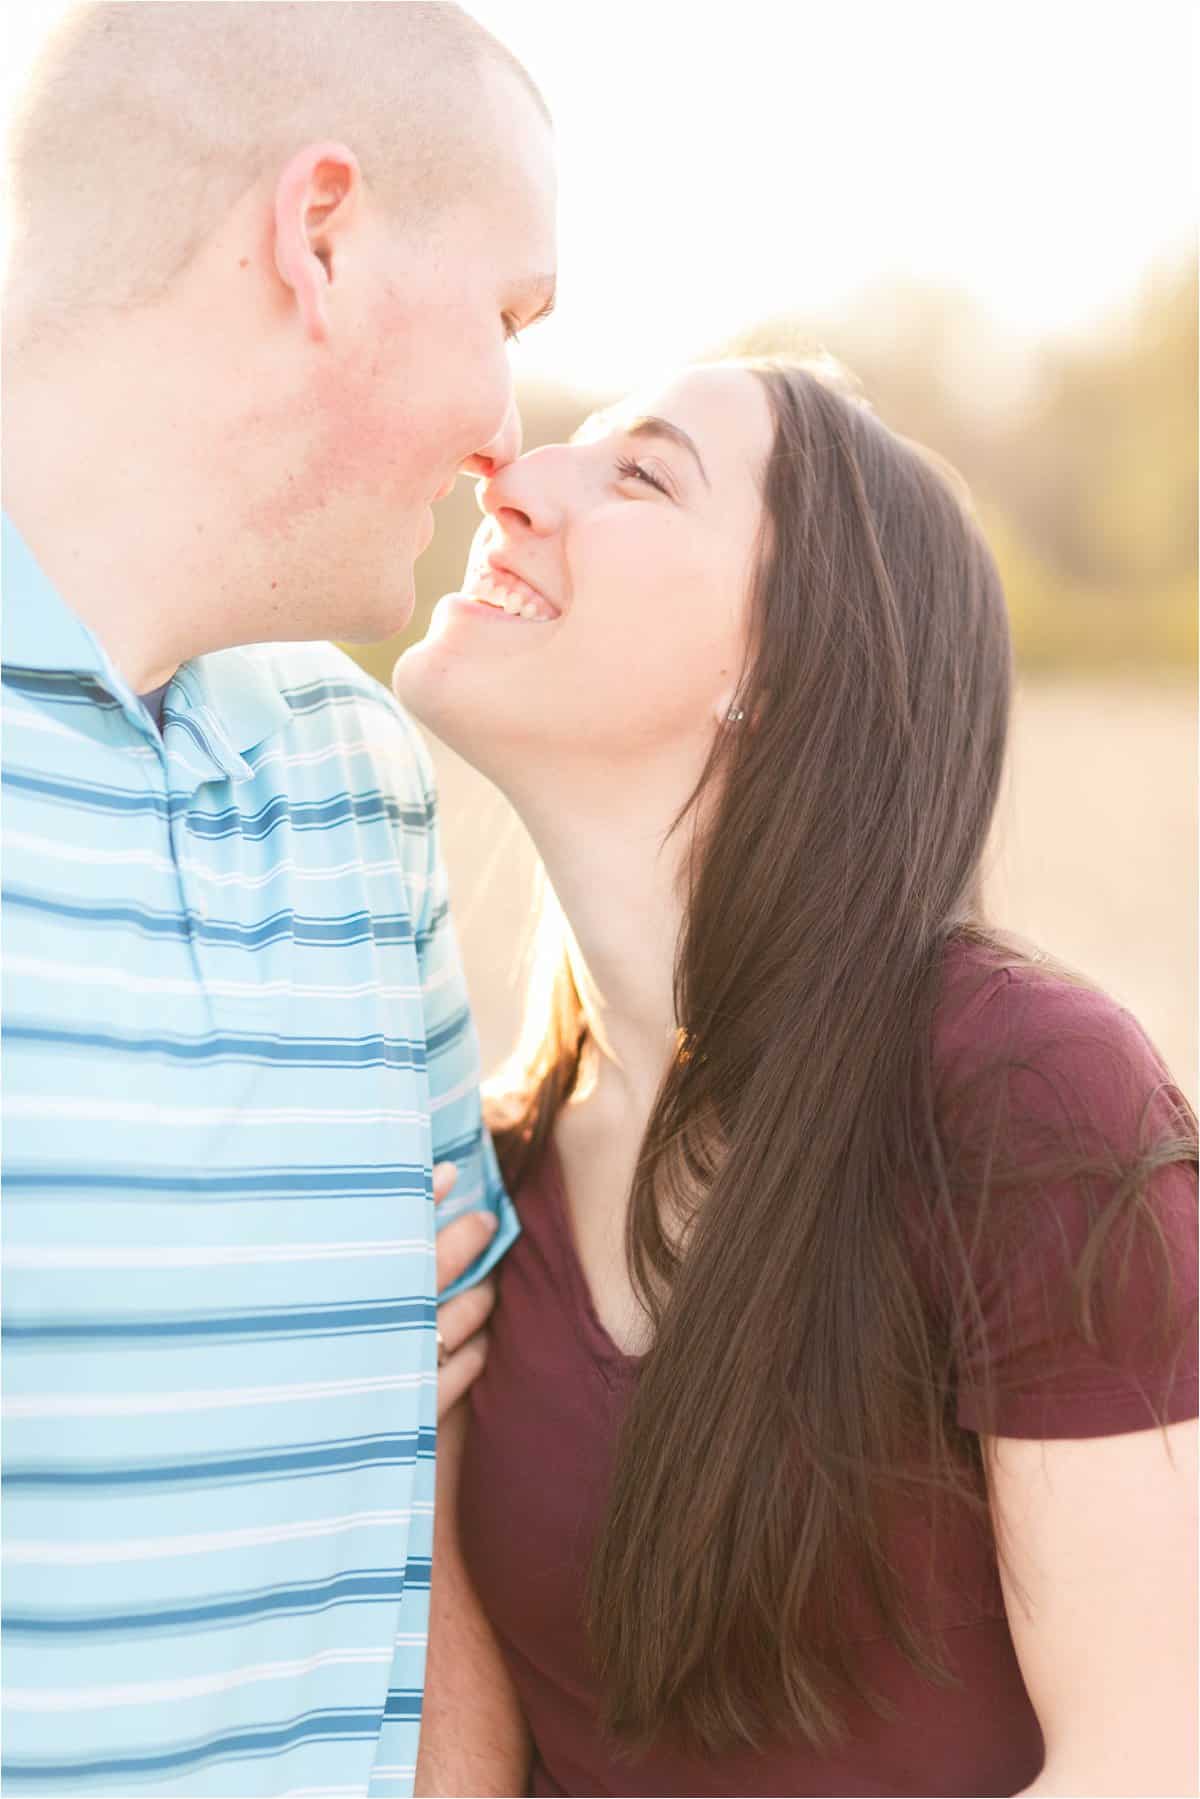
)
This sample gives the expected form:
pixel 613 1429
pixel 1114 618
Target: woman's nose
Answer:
pixel 524 494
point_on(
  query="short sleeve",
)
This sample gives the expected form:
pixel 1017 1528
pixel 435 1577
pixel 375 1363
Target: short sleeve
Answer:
pixel 452 1050
pixel 1083 1081
pixel 457 1132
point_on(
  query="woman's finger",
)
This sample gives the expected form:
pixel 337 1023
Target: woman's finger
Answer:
pixel 460 1318
pixel 459 1370
pixel 462 1242
pixel 444 1176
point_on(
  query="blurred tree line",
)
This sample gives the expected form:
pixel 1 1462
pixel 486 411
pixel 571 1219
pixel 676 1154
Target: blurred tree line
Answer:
pixel 1082 458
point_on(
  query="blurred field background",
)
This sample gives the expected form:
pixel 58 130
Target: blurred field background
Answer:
pixel 987 213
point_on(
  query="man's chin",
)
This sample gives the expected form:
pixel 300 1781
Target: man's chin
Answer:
pixel 425 530
pixel 381 621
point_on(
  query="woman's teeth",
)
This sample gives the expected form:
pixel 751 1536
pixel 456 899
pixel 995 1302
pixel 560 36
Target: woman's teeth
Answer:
pixel 508 593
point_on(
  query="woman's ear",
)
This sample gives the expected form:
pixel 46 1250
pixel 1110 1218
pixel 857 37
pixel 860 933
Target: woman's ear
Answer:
pixel 732 708
pixel 316 198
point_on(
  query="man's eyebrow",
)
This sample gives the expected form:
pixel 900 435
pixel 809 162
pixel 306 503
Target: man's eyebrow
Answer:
pixel 656 427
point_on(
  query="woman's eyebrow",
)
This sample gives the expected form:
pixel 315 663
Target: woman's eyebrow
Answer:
pixel 656 427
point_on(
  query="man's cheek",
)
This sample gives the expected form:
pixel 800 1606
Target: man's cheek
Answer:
pixel 467 410
pixel 364 438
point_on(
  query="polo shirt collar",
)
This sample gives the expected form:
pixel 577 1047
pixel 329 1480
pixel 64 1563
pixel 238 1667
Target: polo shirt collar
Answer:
pixel 234 696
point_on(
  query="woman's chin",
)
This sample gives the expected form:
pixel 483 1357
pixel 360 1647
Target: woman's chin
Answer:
pixel 464 678
pixel 425 686
pixel 433 687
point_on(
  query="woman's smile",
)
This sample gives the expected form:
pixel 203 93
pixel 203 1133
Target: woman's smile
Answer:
pixel 649 558
pixel 500 589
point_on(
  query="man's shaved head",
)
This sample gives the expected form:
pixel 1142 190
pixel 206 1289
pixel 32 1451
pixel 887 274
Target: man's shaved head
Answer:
pixel 266 262
pixel 147 119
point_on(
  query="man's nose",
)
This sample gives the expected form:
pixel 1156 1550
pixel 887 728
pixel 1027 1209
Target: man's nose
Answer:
pixel 502 449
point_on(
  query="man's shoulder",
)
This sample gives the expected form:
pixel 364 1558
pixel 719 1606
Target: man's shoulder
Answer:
pixel 317 678
pixel 333 701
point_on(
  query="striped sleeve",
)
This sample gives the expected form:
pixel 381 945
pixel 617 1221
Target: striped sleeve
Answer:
pixel 452 1045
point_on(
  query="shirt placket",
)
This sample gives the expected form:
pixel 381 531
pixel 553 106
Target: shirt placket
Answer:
pixel 197 760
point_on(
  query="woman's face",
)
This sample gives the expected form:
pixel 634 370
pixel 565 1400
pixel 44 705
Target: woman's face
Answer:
pixel 602 614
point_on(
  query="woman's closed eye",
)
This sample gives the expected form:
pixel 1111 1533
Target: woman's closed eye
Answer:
pixel 629 470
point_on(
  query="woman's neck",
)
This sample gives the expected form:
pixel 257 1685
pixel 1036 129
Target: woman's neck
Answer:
pixel 616 875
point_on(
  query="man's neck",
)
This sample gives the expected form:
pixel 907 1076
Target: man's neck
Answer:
pixel 83 508
pixel 98 481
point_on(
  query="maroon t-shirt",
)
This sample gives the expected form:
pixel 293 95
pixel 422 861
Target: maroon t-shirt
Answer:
pixel 547 1409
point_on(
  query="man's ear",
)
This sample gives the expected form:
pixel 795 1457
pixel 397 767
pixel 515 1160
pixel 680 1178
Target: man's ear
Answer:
pixel 316 198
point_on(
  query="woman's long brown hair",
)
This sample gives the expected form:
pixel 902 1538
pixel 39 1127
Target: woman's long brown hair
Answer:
pixel 800 1382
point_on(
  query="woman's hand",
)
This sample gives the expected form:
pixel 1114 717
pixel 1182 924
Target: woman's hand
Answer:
pixel 462 1337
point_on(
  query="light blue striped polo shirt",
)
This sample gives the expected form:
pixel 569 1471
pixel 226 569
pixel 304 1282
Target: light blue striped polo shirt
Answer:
pixel 236 1036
